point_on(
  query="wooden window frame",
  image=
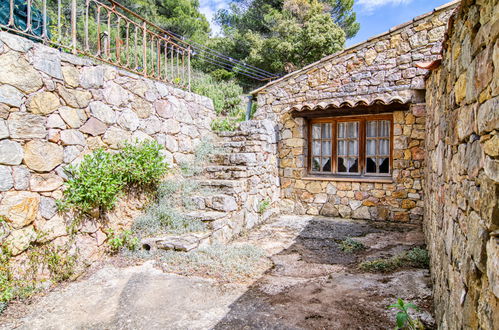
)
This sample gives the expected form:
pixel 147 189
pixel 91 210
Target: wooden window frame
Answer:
pixel 362 119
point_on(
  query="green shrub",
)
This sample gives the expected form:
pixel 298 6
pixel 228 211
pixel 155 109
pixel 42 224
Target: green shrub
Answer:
pixel 418 257
pixel 119 240
pixel 226 95
pixel 223 124
pixel 101 177
pixel 350 245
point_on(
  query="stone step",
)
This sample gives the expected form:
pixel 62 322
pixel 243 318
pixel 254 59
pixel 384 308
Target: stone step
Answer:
pixel 215 202
pixel 185 242
pixel 205 216
pixel 228 187
pixel 235 159
pixel 226 172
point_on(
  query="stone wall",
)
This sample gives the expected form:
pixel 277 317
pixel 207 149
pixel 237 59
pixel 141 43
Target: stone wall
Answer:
pixel 398 198
pixel 462 177
pixel 55 108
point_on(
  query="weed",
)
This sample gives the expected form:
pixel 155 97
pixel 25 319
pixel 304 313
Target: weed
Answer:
pixel 416 257
pixel 403 319
pixel 229 263
pixel 118 241
pixel 263 206
pixel 101 177
pixel 224 124
pixel 202 153
pixel 350 245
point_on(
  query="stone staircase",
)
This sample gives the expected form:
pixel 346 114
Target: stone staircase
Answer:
pixel 239 178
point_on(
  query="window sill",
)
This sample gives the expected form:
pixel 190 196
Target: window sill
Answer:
pixel 349 179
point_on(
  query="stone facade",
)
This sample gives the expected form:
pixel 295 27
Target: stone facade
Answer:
pixel 378 76
pixel 54 109
pixel 461 219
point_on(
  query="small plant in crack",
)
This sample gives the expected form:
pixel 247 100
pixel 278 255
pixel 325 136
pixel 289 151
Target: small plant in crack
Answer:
pixel 416 258
pixel 263 206
pixel 350 245
pixel 403 319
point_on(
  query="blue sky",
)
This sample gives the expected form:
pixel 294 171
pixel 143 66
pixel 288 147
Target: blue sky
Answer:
pixel 374 16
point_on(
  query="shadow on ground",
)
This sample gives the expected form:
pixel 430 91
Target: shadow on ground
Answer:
pixel 316 285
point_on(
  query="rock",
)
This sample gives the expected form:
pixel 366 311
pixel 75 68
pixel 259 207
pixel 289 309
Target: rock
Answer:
pixel 20 240
pixel 488 116
pixel 370 56
pixel 114 94
pixel 139 137
pixel 129 120
pixel 45 182
pixel 11 153
pixel 55 121
pixel 94 143
pixel 6 180
pixel 20 208
pixel 223 203
pixel 71 153
pixel 151 125
pixel 94 127
pixel 11 96
pixel 92 77
pixel 51 229
pixel 171 143
pixel 142 108
pixel 42 156
pixel 43 103
pixel 491 146
pixel 48 60
pixel 75 98
pixel 48 207
pixel 329 210
pixel 493 264
pixel 21 176
pixel 170 126
pixel 17 43
pixel 103 112
pixel 24 125
pixel 164 109
pixel 73 117
pixel 361 213
pixel 54 135
pixel 344 211
pixel 72 137
pixel 16 71
pixel 71 76
pixel 116 137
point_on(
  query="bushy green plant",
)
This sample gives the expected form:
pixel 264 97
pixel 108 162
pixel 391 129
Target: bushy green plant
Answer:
pixel 350 245
pixel 403 319
pixel 100 178
pixel 416 257
pixel 202 153
pixel 119 240
pixel 226 95
pixel 225 124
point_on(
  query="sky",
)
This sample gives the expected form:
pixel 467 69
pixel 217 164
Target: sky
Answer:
pixel 374 16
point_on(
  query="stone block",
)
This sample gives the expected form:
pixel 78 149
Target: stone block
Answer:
pixel 20 208
pixel 24 125
pixel 42 156
pixel 11 153
pixel 17 72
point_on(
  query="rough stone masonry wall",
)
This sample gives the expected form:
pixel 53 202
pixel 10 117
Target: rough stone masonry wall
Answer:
pixel 462 176
pixel 398 200
pixel 380 71
pixel 55 108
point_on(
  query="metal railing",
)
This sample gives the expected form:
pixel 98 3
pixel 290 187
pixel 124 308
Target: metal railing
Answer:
pixel 104 30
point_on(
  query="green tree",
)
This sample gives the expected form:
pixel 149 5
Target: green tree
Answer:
pixel 283 35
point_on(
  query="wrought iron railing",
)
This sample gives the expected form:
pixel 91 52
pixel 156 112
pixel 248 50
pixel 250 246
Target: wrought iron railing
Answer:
pixel 104 30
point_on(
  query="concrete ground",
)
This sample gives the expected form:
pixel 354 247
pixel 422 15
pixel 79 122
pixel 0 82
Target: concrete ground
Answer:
pixel 312 284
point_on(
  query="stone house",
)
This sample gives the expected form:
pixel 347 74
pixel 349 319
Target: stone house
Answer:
pixel 352 125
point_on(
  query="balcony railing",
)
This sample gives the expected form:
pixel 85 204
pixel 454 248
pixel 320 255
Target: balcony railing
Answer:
pixel 104 30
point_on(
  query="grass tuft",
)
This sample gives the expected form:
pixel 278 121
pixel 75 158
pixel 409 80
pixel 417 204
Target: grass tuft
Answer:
pixel 350 245
pixel 416 258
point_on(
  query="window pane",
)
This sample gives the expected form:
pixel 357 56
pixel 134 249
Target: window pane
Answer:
pixel 316 164
pixel 384 147
pixel 342 148
pixel 341 165
pixel 326 148
pixel 384 128
pixel 316 148
pixel 353 129
pixel 371 128
pixel 371 147
pixel 326 131
pixel 371 165
pixel 384 166
pixel 326 164
pixel 342 130
pixel 316 131
pixel 353 165
pixel 353 148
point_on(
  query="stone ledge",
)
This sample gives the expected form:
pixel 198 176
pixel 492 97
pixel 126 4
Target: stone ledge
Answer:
pixel 369 180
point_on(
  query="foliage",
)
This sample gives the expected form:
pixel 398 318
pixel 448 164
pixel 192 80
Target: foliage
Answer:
pixel 263 206
pixel 284 35
pixel 202 153
pixel 226 95
pixel 229 263
pixel 120 240
pixel 403 318
pixel 350 245
pixel 416 257
pixel 59 263
pixel 101 177
pixel 224 124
